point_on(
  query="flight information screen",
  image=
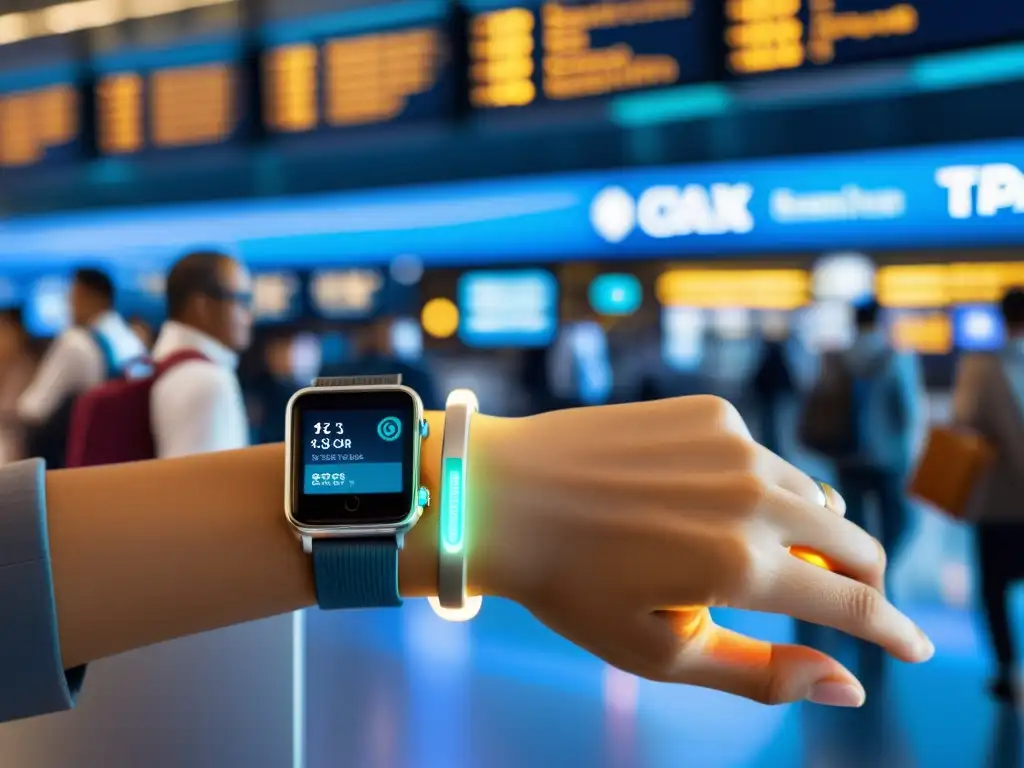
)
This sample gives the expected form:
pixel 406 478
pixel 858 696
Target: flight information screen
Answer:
pixel 38 124
pixel 168 108
pixel 358 80
pixel 776 35
pixel 563 51
pixel 40 101
pixel 170 81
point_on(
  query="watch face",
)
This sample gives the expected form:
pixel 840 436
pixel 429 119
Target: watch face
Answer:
pixel 353 457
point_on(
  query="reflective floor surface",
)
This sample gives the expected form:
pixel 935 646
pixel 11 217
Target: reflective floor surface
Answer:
pixel 403 689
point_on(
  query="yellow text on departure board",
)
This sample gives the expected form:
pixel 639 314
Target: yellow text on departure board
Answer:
pixel 290 92
pixel 503 58
pixel 119 128
pixel 769 35
pixel 828 26
pixel 31 122
pixel 192 106
pixel 574 68
pixel 370 79
pixel 501 50
pixel 187 107
pixel 764 35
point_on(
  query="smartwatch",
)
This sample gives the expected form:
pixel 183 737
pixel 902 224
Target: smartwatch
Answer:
pixel 352 484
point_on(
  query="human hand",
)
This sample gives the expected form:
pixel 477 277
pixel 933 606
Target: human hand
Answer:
pixel 619 527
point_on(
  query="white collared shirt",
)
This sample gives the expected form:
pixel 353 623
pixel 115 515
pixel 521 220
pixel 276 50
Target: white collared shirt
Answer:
pixel 75 363
pixel 197 406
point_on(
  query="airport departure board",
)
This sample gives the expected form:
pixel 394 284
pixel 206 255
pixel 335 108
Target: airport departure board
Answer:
pixel 564 51
pixel 776 35
pixel 168 108
pixel 358 80
pixel 38 124
pixel 199 75
pixel 41 102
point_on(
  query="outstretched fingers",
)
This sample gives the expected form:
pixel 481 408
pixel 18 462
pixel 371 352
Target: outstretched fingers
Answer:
pixel 688 647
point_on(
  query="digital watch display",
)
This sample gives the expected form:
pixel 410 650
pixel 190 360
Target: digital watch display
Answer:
pixel 354 457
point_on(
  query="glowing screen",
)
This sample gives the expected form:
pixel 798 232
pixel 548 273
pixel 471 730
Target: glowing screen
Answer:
pixel 34 122
pixel 353 81
pixel 774 35
pixel 167 108
pixel 729 288
pixel 517 308
pixel 571 50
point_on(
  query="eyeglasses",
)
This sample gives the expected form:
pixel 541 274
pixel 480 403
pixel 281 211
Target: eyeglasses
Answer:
pixel 243 299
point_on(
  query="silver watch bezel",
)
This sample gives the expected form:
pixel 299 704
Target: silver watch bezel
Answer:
pixel 309 533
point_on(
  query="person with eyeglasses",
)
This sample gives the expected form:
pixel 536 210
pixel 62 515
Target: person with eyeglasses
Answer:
pixel 197 406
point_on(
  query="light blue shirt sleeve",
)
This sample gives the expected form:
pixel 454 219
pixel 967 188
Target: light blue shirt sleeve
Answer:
pixel 32 677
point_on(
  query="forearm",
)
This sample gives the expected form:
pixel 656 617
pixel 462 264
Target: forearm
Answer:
pixel 156 550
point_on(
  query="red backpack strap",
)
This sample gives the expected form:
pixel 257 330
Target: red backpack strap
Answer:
pixel 175 359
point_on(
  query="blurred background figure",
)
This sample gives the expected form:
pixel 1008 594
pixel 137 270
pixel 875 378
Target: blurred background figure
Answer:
pixel 773 384
pixel 269 390
pixel 864 414
pixel 989 400
pixel 17 367
pixel 374 353
pixel 143 330
pixel 98 346
pixel 197 407
pixel 888 402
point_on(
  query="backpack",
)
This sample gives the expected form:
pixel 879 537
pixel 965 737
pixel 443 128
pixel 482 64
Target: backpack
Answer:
pixel 111 423
pixel 48 440
pixel 830 421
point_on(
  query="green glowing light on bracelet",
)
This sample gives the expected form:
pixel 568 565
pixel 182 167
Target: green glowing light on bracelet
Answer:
pixel 453 523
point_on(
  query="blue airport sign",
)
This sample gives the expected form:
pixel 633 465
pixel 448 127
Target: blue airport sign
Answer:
pixel 941 196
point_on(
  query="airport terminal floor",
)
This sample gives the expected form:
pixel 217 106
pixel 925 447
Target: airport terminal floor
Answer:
pixel 509 694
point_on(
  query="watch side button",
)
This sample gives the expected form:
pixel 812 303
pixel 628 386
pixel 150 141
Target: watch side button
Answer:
pixel 423 497
pixel 424 428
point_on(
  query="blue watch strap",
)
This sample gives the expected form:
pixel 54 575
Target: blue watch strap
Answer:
pixel 356 573
pixel 31 669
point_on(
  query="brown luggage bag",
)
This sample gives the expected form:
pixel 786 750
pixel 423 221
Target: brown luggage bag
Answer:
pixel 952 464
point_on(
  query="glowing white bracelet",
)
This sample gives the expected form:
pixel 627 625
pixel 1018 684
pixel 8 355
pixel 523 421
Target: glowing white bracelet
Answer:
pixel 452 603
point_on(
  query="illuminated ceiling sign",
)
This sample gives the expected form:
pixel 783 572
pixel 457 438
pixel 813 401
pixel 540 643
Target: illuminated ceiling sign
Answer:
pixel 848 203
pixel 671 211
pixel 778 289
pixel 628 213
pixel 518 308
pixel 944 285
pixel 346 293
pixel 982 190
pixel 978 328
pixel 62 18
pixel 615 295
